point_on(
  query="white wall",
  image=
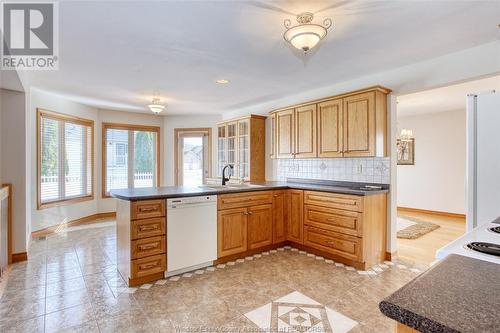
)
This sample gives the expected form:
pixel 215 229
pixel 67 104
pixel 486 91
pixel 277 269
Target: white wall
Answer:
pixel 437 180
pixel 14 162
pixel 172 122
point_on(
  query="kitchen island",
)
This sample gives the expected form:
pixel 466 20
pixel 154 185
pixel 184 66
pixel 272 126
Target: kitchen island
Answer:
pixel 339 220
pixel 458 294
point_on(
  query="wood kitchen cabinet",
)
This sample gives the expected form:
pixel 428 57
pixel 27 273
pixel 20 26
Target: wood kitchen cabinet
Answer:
pixel 141 240
pixel 348 125
pixel 241 143
pixel 305 131
pixel 231 231
pixel 330 129
pixel 260 226
pixel 294 230
pixel 285 134
pixel 279 216
pixel 244 222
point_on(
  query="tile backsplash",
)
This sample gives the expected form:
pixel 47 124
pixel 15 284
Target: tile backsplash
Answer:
pixel 369 170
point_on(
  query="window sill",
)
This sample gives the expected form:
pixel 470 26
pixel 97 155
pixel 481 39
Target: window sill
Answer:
pixel 64 202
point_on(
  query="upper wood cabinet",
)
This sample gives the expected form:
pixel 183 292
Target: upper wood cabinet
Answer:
pixel 241 142
pixel 348 125
pixel 305 132
pixel 330 125
pixel 285 134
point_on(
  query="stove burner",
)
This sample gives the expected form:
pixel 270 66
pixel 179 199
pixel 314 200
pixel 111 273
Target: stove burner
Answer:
pixel 486 248
pixel 495 230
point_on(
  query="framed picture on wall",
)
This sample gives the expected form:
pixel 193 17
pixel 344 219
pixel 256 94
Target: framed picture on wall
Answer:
pixel 406 151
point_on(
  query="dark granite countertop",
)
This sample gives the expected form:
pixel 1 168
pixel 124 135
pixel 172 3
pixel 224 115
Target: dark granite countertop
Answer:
pixel 458 294
pixel 166 192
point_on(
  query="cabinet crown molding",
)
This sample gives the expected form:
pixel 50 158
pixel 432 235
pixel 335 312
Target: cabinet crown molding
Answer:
pixel 325 99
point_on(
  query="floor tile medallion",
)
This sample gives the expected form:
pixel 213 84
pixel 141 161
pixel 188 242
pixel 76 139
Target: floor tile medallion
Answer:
pixel 296 312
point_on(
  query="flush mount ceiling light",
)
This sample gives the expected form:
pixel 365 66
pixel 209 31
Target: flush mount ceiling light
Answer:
pixel 222 81
pixel 156 107
pixel 305 35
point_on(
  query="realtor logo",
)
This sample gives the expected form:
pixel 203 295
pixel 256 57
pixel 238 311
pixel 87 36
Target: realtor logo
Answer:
pixel 30 35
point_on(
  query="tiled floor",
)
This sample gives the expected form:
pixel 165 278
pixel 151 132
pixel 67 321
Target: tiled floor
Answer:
pixel 70 284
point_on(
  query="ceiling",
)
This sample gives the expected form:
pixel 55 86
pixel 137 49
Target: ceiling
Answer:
pixel 444 99
pixel 119 54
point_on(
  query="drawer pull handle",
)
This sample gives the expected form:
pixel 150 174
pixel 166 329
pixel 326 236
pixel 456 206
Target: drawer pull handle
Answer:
pixel 250 213
pixel 148 247
pixel 147 266
pixel 148 228
pixel 147 210
pixel 329 242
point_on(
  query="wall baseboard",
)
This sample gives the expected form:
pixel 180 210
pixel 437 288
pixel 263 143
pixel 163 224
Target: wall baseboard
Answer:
pixel 390 255
pixel 21 256
pixel 84 220
pixel 433 212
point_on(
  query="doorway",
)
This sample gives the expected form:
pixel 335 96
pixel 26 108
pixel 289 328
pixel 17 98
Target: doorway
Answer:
pixel 431 170
pixel 192 156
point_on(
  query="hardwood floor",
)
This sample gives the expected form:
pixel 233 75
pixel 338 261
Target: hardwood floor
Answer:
pixel 421 251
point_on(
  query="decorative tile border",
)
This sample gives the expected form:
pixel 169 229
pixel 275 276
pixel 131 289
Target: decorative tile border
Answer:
pixel 373 271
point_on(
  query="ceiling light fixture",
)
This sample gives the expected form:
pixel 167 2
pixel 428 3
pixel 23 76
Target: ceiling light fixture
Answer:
pixel 156 107
pixel 305 35
pixel 222 81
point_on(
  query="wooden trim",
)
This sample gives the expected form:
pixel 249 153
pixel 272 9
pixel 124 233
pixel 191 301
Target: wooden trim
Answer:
pixel 231 120
pixel 8 189
pixel 177 132
pixel 83 220
pixel 402 328
pixel 129 127
pixel 21 256
pixel 325 99
pixel 390 255
pixel 132 282
pixel 247 253
pixel 70 119
pixel 433 212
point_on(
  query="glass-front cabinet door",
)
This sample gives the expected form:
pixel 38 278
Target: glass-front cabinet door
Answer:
pixel 231 147
pixel 221 148
pixel 243 149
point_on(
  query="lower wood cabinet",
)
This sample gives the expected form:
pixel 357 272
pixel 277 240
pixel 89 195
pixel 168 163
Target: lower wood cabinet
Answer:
pixel 231 231
pixel 349 247
pixel 279 216
pixel 294 230
pixel 260 226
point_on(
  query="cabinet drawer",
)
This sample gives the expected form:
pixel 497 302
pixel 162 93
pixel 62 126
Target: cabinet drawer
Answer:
pixel 148 247
pixel 145 209
pixel 345 246
pixel 149 265
pixel 244 199
pixel 343 221
pixel 333 200
pixel 147 228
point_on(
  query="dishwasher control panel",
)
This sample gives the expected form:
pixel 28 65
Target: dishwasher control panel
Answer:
pixel 203 199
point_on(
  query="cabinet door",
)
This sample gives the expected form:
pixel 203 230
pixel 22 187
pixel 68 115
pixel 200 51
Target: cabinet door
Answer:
pixel 232 138
pixel 359 125
pixel 305 132
pixel 221 148
pixel 243 149
pixel 330 139
pixel 295 216
pixel 279 217
pixel 284 137
pixel 273 136
pixel 260 226
pixel 231 231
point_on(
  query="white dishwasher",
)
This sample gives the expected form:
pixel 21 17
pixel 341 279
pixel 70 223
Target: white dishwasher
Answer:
pixel 191 233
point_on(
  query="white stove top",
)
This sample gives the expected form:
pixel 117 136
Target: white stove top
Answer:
pixel 480 234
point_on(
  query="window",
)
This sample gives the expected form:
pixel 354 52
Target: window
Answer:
pixel 65 158
pixel 130 157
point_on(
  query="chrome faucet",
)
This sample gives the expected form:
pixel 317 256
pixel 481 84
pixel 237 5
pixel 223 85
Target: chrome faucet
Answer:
pixel 224 179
